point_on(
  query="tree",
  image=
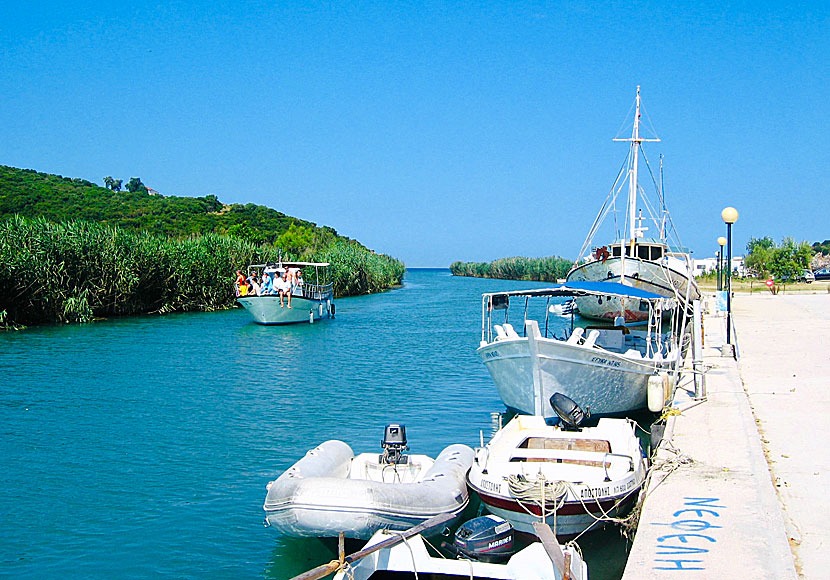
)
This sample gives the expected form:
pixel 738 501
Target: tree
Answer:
pixel 784 261
pixel 759 255
pixel 108 181
pixel 295 239
pixel 116 184
pixel 766 243
pixel 134 185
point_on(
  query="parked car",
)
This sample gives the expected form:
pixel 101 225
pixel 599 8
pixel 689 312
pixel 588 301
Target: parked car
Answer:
pixel 805 276
pixel 823 274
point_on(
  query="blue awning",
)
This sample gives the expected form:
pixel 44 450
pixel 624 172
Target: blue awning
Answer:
pixel 585 289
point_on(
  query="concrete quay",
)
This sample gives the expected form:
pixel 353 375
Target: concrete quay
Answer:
pixel 741 483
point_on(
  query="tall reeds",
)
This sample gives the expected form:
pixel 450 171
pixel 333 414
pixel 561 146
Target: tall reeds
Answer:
pixel 75 271
pixel 355 270
pixel 547 269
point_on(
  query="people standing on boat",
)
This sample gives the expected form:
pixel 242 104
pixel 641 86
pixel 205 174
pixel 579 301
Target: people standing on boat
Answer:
pixel 297 288
pixel 283 287
pixel 240 282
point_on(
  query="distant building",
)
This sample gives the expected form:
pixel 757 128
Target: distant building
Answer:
pixel 706 265
pixel 152 191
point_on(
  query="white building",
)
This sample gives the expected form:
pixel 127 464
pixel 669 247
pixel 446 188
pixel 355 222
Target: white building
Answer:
pixel 705 265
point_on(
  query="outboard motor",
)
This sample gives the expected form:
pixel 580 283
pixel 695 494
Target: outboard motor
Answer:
pixel 486 539
pixel 394 444
pixel 568 412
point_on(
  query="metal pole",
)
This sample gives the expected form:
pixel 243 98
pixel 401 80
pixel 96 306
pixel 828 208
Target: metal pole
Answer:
pixel 697 352
pixel 720 255
pixel 729 284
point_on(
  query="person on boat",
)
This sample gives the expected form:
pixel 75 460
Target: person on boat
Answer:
pixel 240 282
pixel 253 284
pixel 297 288
pixel 267 286
pixel 283 287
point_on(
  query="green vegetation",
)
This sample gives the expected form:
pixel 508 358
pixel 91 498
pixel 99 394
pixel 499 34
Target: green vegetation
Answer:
pixel 785 261
pixel 822 247
pixel 72 251
pixel 31 194
pixel 541 269
pixel 76 271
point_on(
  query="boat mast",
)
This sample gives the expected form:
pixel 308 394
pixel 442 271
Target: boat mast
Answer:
pixel 635 141
pixel 662 205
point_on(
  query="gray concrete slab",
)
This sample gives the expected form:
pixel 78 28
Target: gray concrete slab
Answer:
pixel 711 509
pixel 785 366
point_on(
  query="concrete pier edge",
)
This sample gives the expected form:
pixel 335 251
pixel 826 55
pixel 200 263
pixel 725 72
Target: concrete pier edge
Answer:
pixel 711 509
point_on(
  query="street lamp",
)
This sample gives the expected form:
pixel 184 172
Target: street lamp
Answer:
pixel 729 216
pixel 721 243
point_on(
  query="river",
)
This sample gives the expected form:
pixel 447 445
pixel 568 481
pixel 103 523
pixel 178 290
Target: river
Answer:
pixel 141 447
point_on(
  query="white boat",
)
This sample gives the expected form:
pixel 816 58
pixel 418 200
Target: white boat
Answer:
pixel 410 558
pixel 607 369
pixel 311 300
pixel 331 490
pixel 574 479
pixel 657 264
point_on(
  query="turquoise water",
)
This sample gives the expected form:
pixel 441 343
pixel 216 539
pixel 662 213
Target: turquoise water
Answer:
pixel 141 447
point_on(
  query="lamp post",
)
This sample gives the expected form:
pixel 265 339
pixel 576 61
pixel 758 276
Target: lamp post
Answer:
pixel 729 216
pixel 721 243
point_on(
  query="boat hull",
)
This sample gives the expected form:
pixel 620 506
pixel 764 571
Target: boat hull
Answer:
pixel 607 383
pixel 570 520
pixel 643 274
pixel 588 476
pixel 410 558
pixel 266 309
pixel 317 497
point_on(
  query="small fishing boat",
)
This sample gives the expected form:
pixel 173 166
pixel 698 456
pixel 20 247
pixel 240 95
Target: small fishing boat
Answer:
pixel 657 264
pixel 572 478
pixel 331 490
pixel 607 369
pixel 475 542
pixel 310 299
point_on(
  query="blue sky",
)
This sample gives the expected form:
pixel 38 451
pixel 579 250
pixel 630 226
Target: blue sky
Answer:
pixel 433 131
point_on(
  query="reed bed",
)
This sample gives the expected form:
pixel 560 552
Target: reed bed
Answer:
pixel 76 271
pixel 548 269
pixel 356 270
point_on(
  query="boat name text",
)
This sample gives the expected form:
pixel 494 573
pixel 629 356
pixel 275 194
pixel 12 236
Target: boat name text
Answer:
pixel 605 361
pixel 490 486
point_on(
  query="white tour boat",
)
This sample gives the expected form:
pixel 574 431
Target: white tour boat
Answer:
pixel 607 370
pixel 311 299
pixel 393 555
pixel 657 264
pixel 331 490
pixel 570 478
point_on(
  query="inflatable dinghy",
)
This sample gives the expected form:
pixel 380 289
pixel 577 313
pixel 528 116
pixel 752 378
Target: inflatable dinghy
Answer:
pixel 331 490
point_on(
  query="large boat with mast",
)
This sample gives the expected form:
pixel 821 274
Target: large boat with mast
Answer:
pixel 656 264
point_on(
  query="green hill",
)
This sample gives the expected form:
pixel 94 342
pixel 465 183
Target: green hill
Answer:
pixel 30 194
pixel 73 251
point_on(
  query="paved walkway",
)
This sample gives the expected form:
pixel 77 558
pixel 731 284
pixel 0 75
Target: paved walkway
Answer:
pixel 784 343
pixel 717 508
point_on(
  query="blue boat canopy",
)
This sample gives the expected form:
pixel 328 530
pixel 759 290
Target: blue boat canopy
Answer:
pixel 586 289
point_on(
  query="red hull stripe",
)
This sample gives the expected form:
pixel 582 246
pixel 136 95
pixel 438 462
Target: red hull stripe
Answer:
pixel 569 509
